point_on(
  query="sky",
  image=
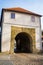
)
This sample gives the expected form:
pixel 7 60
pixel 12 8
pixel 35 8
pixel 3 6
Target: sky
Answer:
pixel 32 5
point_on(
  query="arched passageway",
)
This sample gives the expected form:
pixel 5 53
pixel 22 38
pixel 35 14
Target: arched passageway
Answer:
pixel 23 42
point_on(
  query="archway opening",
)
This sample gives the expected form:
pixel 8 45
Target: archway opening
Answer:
pixel 23 42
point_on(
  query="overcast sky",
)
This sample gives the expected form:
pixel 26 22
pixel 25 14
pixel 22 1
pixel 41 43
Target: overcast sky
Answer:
pixel 32 5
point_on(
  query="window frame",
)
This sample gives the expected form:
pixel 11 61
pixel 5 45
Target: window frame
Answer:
pixel 33 18
pixel 12 15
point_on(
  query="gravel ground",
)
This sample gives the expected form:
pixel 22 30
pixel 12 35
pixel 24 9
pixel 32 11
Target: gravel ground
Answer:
pixel 21 59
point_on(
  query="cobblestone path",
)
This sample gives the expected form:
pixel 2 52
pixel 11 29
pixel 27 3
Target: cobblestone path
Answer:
pixel 21 59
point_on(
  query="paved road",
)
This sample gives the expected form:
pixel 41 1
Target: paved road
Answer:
pixel 21 59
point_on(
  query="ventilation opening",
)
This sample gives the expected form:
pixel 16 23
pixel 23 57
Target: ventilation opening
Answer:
pixel 23 43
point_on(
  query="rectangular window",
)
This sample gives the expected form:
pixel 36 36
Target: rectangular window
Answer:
pixel 33 18
pixel 12 15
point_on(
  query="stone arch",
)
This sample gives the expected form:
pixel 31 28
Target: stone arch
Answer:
pixel 23 42
pixel 29 31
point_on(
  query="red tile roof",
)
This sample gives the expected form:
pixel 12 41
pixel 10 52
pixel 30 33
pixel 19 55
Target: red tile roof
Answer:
pixel 18 9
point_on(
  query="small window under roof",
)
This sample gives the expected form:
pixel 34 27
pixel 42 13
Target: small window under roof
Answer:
pixel 12 15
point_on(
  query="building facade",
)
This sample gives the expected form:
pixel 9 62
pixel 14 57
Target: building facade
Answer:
pixel 21 30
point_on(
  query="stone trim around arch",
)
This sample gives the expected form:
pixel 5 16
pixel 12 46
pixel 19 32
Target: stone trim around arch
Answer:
pixel 16 30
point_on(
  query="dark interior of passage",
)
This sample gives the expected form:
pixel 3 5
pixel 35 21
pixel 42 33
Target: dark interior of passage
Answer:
pixel 23 42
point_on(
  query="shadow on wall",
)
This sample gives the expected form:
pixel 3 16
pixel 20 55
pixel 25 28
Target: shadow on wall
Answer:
pixel 0 42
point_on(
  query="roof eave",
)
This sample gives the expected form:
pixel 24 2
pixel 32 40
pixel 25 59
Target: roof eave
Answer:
pixel 22 12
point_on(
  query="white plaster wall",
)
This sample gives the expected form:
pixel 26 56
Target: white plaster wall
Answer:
pixel 38 39
pixel 21 20
pixel 6 38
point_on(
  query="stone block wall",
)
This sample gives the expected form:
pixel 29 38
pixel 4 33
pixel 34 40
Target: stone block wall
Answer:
pixel 16 30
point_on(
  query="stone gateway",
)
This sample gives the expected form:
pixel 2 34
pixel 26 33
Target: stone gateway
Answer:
pixel 21 31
